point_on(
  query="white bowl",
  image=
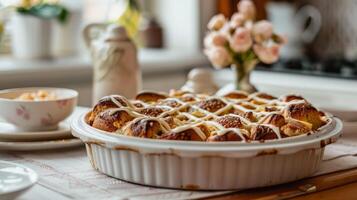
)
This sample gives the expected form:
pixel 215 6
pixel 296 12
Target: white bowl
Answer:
pixel 37 115
pixel 204 165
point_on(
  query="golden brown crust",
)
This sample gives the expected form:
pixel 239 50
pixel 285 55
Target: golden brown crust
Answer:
pixel 171 102
pixel 236 95
pixel 246 114
pixel 188 134
pixel 257 102
pixel 296 127
pixel 107 103
pixel 152 111
pixel 150 96
pixel 250 116
pixel 211 105
pixel 291 97
pixel 265 96
pixel 270 108
pixel 261 133
pixel 229 136
pixel 304 112
pixel 277 120
pixel 248 106
pixel 111 120
pixel 145 128
pixel 187 98
pixel 230 121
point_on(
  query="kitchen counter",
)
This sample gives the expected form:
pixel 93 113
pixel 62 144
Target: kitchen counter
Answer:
pixel 325 92
pixel 290 80
pixel 79 69
pixel 158 67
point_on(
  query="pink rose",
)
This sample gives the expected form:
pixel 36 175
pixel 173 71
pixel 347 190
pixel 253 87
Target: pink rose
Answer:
pixel 227 30
pixel 237 20
pixel 247 9
pixel 262 30
pixel 214 39
pixel 216 22
pixel 267 54
pixel 241 40
pixel 219 57
pixel 249 25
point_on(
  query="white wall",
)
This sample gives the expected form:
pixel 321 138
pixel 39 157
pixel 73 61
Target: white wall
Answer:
pixel 184 21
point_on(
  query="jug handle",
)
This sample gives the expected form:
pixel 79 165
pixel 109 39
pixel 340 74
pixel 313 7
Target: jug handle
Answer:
pixel 311 31
pixel 88 29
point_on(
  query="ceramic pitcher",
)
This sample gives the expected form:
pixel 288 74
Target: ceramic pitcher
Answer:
pixel 291 22
pixel 114 56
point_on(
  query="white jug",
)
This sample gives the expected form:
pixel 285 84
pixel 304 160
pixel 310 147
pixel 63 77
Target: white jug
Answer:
pixel 114 55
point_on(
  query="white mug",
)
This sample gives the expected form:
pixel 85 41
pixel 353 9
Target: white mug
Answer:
pixel 291 23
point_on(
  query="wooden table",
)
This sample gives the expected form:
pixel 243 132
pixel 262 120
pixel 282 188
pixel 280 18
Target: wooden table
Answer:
pixel 339 185
pixel 329 191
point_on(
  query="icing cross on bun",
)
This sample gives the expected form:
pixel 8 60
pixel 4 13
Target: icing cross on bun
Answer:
pixel 181 115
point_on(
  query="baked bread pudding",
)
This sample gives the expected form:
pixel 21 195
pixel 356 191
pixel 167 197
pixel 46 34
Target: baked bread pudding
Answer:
pixel 180 115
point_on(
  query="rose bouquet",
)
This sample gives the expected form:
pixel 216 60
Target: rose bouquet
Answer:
pixel 241 43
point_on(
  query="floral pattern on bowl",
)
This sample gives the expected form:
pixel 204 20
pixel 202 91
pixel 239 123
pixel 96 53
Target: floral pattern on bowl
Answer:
pixel 37 115
pixel 22 112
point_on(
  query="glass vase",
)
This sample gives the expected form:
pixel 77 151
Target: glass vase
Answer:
pixel 242 73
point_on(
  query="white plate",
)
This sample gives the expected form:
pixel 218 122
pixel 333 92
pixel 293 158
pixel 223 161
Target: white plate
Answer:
pixel 40 145
pixel 15 179
pixel 9 132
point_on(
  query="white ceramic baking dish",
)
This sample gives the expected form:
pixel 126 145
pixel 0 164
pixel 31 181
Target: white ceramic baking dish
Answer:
pixel 203 165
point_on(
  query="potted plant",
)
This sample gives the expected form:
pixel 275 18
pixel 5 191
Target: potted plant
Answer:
pixel 241 43
pixel 31 28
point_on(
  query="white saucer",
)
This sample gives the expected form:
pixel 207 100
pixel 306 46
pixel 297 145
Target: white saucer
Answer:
pixel 15 179
pixel 40 145
pixel 9 132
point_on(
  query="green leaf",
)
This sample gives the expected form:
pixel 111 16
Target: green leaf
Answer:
pixel 46 11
